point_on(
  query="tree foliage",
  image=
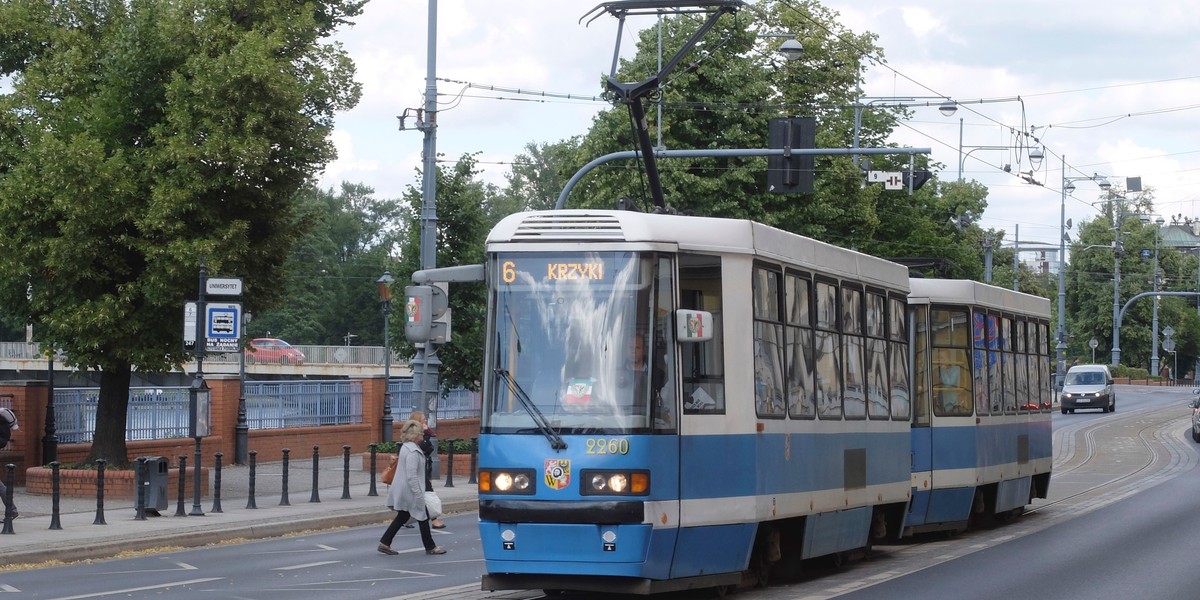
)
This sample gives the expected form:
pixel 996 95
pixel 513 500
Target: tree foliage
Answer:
pixel 461 230
pixel 1089 289
pixel 141 137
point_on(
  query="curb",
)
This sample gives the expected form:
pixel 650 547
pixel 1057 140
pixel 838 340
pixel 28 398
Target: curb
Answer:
pixel 206 535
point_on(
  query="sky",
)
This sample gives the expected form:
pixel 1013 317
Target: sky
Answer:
pixel 1109 88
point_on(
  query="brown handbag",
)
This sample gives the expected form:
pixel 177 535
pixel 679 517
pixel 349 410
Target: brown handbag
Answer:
pixel 389 473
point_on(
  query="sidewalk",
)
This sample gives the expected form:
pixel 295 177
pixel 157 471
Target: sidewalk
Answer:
pixel 80 538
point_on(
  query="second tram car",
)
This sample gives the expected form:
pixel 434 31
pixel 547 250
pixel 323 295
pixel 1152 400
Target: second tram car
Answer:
pixel 981 433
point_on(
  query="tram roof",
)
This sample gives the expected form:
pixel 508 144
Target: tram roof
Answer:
pixel 707 234
pixel 965 291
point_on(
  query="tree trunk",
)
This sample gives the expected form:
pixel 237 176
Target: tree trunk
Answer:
pixel 112 412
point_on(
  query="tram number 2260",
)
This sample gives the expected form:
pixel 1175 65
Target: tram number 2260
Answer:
pixel 607 446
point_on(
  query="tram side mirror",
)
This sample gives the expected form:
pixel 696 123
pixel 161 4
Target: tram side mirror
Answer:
pixel 693 325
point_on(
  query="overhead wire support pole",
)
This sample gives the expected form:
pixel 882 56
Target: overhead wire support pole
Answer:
pixel 626 154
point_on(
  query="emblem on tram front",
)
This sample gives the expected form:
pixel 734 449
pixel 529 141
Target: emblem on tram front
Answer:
pixel 558 473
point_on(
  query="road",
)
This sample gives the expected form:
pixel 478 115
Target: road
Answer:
pixel 1118 524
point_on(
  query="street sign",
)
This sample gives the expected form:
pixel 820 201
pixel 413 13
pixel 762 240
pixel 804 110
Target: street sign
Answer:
pixel 891 180
pixel 1168 331
pixel 189 327
pixel 222 327
pixel 223 286
pixel 1169 345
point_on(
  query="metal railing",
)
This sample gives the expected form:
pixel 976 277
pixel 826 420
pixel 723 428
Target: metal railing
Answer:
pixel 315 355
pixel 157 413
pixel 281 404
pixel 458 404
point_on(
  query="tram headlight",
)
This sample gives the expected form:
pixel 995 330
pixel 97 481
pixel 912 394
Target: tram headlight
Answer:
pixel 615 483
pixel 506 481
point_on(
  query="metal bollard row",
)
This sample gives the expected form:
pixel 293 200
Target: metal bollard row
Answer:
pixel 144 482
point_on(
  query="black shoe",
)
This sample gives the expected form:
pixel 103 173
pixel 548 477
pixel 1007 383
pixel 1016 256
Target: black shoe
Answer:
pixel 13 514
pixel 408 526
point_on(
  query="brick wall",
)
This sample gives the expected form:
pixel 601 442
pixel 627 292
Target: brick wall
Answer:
pixel 29 399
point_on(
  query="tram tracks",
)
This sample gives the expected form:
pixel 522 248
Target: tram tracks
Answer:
pixel 1144 447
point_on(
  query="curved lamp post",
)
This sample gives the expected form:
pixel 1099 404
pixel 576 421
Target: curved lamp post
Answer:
pixel 385 306
pixel 1068 186
pixel 1158 223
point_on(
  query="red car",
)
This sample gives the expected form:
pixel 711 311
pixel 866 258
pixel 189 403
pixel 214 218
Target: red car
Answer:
pixel 273 351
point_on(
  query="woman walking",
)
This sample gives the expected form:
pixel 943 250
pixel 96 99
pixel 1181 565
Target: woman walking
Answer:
pixel 407 494
pixel 426 445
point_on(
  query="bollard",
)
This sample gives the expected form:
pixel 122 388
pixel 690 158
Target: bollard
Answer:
pixel 142 482
pixel 179 511
pixel 9 482
pixel 253 465
pixel 372 491
pixel 315 497
pixel 450 464
pixel 217 484
pixel 283 500
pixel 55 523
pixel 345 472
pixel 474 460
pixel 100 462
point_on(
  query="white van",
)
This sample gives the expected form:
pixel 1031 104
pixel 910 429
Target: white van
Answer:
pixel 1088 386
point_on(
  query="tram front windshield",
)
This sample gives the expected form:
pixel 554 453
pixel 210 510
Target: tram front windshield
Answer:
pixel 576 347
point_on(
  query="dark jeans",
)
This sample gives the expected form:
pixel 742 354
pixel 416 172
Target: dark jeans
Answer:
pixel 9 505
pixel 394 527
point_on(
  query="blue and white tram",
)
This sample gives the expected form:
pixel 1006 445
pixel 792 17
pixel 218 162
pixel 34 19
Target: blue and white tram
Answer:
pixel 675 402
pixel 981 434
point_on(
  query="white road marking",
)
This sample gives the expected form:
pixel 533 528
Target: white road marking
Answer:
pixel 141 589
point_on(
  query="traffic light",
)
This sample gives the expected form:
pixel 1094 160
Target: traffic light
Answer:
pixel 423 304
pixel 916 178
pixel 791 174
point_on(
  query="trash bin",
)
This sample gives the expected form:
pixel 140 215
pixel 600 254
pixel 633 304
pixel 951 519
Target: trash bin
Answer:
pixel 154 482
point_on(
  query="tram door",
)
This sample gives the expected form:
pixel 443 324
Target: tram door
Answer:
pixel 922 432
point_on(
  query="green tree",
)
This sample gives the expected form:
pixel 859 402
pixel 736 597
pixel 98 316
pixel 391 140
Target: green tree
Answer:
pixel 331 271
pixel 140 137
pixel 722 96
pixel 537 177
pixel 1089 290
pixel 462 227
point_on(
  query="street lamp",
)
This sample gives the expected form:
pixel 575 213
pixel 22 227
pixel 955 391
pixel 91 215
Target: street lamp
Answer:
pixel 1158 223
pixel 946 106
pixel 1068 186
pixel 385 306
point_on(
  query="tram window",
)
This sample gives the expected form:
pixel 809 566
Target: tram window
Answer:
pixel 875 315
pixel 979 381
pixel 921 370
pixel 951 367
pixel 801 392
pixel 827 353
pixel 995 379
pixel 768 344
pixel 896 329
pixel 898 357
pixel 951 387
pixel 899 379
pixel 664 402
pixel 853 349
pixel 979 365
pixel 703 363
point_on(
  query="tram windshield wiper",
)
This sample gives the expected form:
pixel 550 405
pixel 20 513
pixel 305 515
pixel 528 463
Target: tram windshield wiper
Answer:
pixel 543 425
